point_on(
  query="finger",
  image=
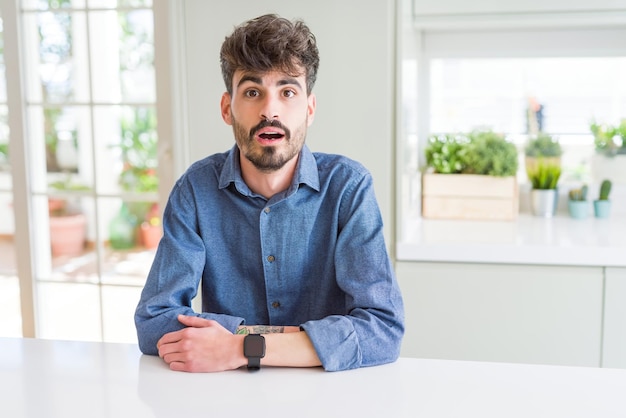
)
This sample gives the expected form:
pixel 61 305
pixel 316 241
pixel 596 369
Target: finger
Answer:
pixel 169 338
pixel 194 321
pixel 178 366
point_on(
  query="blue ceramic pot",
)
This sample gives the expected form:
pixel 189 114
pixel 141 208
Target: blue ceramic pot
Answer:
pixel 578 209
pixel 602 208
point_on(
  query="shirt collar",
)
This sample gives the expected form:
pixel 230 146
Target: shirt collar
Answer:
pixel 306 171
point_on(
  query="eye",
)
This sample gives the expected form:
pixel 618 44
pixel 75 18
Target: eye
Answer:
pixel 251 93
pixel 289 93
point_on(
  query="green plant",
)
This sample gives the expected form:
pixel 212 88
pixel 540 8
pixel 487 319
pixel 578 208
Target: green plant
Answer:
pixel 544 176
pixel 605 190
pixel 4 154
pixel 580 194
pixel 444 153
pixel 543 145
pixel 490 153
pixel 69 191
pixel 138 146
pixel 609 139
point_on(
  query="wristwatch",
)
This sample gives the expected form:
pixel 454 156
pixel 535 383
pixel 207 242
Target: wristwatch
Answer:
pixel 254 350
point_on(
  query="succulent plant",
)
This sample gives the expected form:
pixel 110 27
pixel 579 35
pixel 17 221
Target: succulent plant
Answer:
pixel 605 190
pixel 579 194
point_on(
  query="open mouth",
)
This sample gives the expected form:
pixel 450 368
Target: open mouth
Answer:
pixel 271 136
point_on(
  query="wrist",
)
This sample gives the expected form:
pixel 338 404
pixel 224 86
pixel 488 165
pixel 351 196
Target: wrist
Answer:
pixel 254 350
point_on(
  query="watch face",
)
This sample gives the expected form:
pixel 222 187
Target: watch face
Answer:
pixel 254 346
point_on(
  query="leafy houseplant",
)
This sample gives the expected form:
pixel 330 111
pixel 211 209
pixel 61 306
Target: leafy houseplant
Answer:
pixel 609 160
pixel 479 152
pixel 542 147
pixel 609 139
pixel 602 205
pixel 445 153
pixel 544 178
pixel 138 149
pixel 490 153
pixel 470 176
pixel 577 203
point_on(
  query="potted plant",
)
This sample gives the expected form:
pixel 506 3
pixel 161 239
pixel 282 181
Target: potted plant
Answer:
pixel 577 204
pixel 609 159
pixel 544 194
pixel 151 229
pixel 542 147
pixel 445 153
pixel 68 224
pixel 138 151
pixel 602 205
pixel 489 153
pixel 470 176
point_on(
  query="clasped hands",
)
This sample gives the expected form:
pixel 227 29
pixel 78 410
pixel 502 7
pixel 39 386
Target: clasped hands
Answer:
pixel 204 346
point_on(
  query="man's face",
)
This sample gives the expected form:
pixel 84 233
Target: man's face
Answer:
pixel 270 114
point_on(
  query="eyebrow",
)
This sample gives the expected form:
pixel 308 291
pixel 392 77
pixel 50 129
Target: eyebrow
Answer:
pixel 258 80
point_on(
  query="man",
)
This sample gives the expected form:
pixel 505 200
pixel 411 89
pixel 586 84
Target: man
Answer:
pixel 287 245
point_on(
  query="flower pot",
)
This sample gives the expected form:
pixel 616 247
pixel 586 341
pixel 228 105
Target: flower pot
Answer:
pixel 150 234
pixel 544 202
pixel 602 208
pixel 67 234
pixel 578 209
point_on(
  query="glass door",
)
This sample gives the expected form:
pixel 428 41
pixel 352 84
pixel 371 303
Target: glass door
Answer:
pixel 91 152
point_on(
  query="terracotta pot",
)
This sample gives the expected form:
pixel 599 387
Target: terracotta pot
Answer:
pixel 150 235
pixel 68 234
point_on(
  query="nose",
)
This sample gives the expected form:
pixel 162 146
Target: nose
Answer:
pixel 269 110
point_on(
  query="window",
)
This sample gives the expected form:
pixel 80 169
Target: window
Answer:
pixel 90 158
pixel 489 75
pixel 566 95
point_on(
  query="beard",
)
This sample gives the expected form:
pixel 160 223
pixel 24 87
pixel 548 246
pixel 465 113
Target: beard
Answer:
pixel 269 158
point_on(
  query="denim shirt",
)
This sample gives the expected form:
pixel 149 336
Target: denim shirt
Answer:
pixel 312 256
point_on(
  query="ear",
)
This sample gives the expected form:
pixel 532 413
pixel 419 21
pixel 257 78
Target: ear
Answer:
pixel 312 104
pixel 226 109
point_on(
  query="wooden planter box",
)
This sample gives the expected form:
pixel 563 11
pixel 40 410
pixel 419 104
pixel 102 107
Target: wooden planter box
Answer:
pixel 469 196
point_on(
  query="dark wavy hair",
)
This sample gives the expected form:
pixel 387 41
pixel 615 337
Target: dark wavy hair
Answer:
pixel 267 43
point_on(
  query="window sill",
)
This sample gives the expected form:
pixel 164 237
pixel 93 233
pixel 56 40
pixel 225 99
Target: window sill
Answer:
pixel 528 240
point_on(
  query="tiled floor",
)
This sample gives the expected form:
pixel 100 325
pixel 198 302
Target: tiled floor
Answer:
pixel 75 302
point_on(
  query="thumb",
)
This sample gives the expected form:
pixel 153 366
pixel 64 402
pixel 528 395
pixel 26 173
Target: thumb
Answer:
pixel 194 321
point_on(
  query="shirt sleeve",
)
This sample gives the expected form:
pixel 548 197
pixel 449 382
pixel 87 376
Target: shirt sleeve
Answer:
pixel 175 275
pixel 371 331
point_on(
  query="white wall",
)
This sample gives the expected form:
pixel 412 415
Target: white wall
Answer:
pixel 355 85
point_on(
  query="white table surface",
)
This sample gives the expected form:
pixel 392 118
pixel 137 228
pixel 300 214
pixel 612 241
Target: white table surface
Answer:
pixel 528 240
pixel 45 378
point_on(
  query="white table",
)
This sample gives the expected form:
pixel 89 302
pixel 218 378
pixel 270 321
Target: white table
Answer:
pixel 45 378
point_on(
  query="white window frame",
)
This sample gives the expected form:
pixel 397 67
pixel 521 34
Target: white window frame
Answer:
pixel 495 35
pixel 26 237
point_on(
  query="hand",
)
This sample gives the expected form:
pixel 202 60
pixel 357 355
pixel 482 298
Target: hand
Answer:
pixel 204 346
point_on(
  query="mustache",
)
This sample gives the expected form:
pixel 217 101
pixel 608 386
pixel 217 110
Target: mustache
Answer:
pixel 270 123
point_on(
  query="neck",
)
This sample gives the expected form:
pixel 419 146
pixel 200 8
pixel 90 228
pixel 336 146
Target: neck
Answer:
pixel 267 183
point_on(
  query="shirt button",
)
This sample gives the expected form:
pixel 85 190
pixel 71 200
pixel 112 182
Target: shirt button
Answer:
pixel 271 258
pixel 276 304
pixel 267 210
